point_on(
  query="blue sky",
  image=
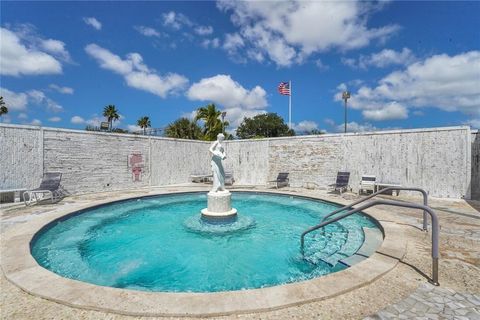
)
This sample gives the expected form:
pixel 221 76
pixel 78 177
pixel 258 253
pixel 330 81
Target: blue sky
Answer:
pixel 407 64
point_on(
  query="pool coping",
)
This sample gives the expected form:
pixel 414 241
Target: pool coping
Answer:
pixel 21 269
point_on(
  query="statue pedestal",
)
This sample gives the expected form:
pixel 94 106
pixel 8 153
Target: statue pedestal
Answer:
pixel 219 205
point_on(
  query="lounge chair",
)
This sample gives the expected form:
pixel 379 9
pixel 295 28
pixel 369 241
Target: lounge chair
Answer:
pixel 342 182
pixel 200 177
pixel 281 181
pixel 229 180
pixel 367 183
pixel 50 185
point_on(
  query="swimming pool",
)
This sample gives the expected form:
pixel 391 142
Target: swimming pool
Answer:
pixel 160 244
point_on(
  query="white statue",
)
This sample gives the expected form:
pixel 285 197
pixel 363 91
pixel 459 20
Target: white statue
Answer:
pixel 218 154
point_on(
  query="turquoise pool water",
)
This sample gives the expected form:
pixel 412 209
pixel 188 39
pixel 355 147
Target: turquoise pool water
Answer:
pixel 154 244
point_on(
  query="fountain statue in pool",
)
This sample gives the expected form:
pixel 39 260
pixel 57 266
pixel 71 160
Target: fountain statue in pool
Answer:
pixel 219 203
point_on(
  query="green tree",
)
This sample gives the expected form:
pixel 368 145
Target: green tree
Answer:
pixel 144 123
pixel 263 126
pixel 184 128
pixel 3 107
pixel 212 123
pixel 111 113
pixel 315 132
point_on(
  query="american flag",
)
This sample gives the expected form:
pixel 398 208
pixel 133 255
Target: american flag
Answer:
pixel 284 88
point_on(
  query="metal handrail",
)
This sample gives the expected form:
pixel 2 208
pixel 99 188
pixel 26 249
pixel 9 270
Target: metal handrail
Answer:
pixel 425 202
pixel 433 215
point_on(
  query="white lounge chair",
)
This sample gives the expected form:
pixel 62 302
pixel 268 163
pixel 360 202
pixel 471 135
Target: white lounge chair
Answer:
pixel 200 177
pixel 367 183
pixel 49 186
pixel 229 180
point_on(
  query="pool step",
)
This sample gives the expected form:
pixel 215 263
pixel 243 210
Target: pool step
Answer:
pixel 373 239
pixel 326 243
pixel 355 238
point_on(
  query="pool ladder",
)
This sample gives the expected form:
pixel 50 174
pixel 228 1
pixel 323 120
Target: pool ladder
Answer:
pixel 426 210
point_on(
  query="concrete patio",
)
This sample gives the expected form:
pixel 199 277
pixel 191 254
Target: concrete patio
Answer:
pixel 401 292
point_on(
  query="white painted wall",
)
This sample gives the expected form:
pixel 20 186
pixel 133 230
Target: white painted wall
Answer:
pixel 439 160
pixel 248 160
pixel 21 157
pixel 173 161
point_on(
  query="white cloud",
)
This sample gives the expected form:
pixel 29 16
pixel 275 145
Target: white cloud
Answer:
pixel 305 126
pixel 147 31
pixel 223 90
pixel 320 65
pixel 36 122
pixel 19 57
pixel 22 115
pixel 94 121
pixel 55 119
pixel 77 120
pixel 474 123
pixel 329 121
pixel 288 32
pixel 93 22
pixel 233 41
pixel 108 60
pixel 19 101
pixel 189 115
pixel 341 88
pixel 203 30
pixel 176 20
pixel 134 128
pixel 449 83
pixel 349 62
pixel 137 74
pixel 237 101
pixel 390 111
pixel 351 126
pixel 39 97
pixel 355 127
pixel 57 48
pixel 14 101
pixel 235 116
pixel 214 43
pixel 382 59
pixel 5 118
pixel 64 90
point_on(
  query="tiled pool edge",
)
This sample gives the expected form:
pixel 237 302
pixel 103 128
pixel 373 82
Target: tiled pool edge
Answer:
pixel 22 270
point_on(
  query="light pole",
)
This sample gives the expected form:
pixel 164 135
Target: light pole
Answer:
pixel 224 113
pixel 345 97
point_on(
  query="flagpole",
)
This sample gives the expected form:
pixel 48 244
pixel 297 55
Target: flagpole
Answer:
pixel 290 105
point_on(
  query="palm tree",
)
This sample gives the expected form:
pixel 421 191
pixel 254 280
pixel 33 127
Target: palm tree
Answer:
pixel 144 123
pixel 212 124
pixel 3 107
pixel 184 128
pixel 111 113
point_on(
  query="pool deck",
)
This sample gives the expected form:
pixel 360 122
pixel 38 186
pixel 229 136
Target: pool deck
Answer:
pixel 391 284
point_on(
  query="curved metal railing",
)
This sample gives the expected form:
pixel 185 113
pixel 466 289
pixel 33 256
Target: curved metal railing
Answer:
pixel 382 191
pixel 435 228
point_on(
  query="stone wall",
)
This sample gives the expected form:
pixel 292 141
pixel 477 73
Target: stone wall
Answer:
pixel 173 161
pixel 476 165
pixel 248 160
pixel 444 161
pixel 95 162
pixel 437 160
pixel 21 156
